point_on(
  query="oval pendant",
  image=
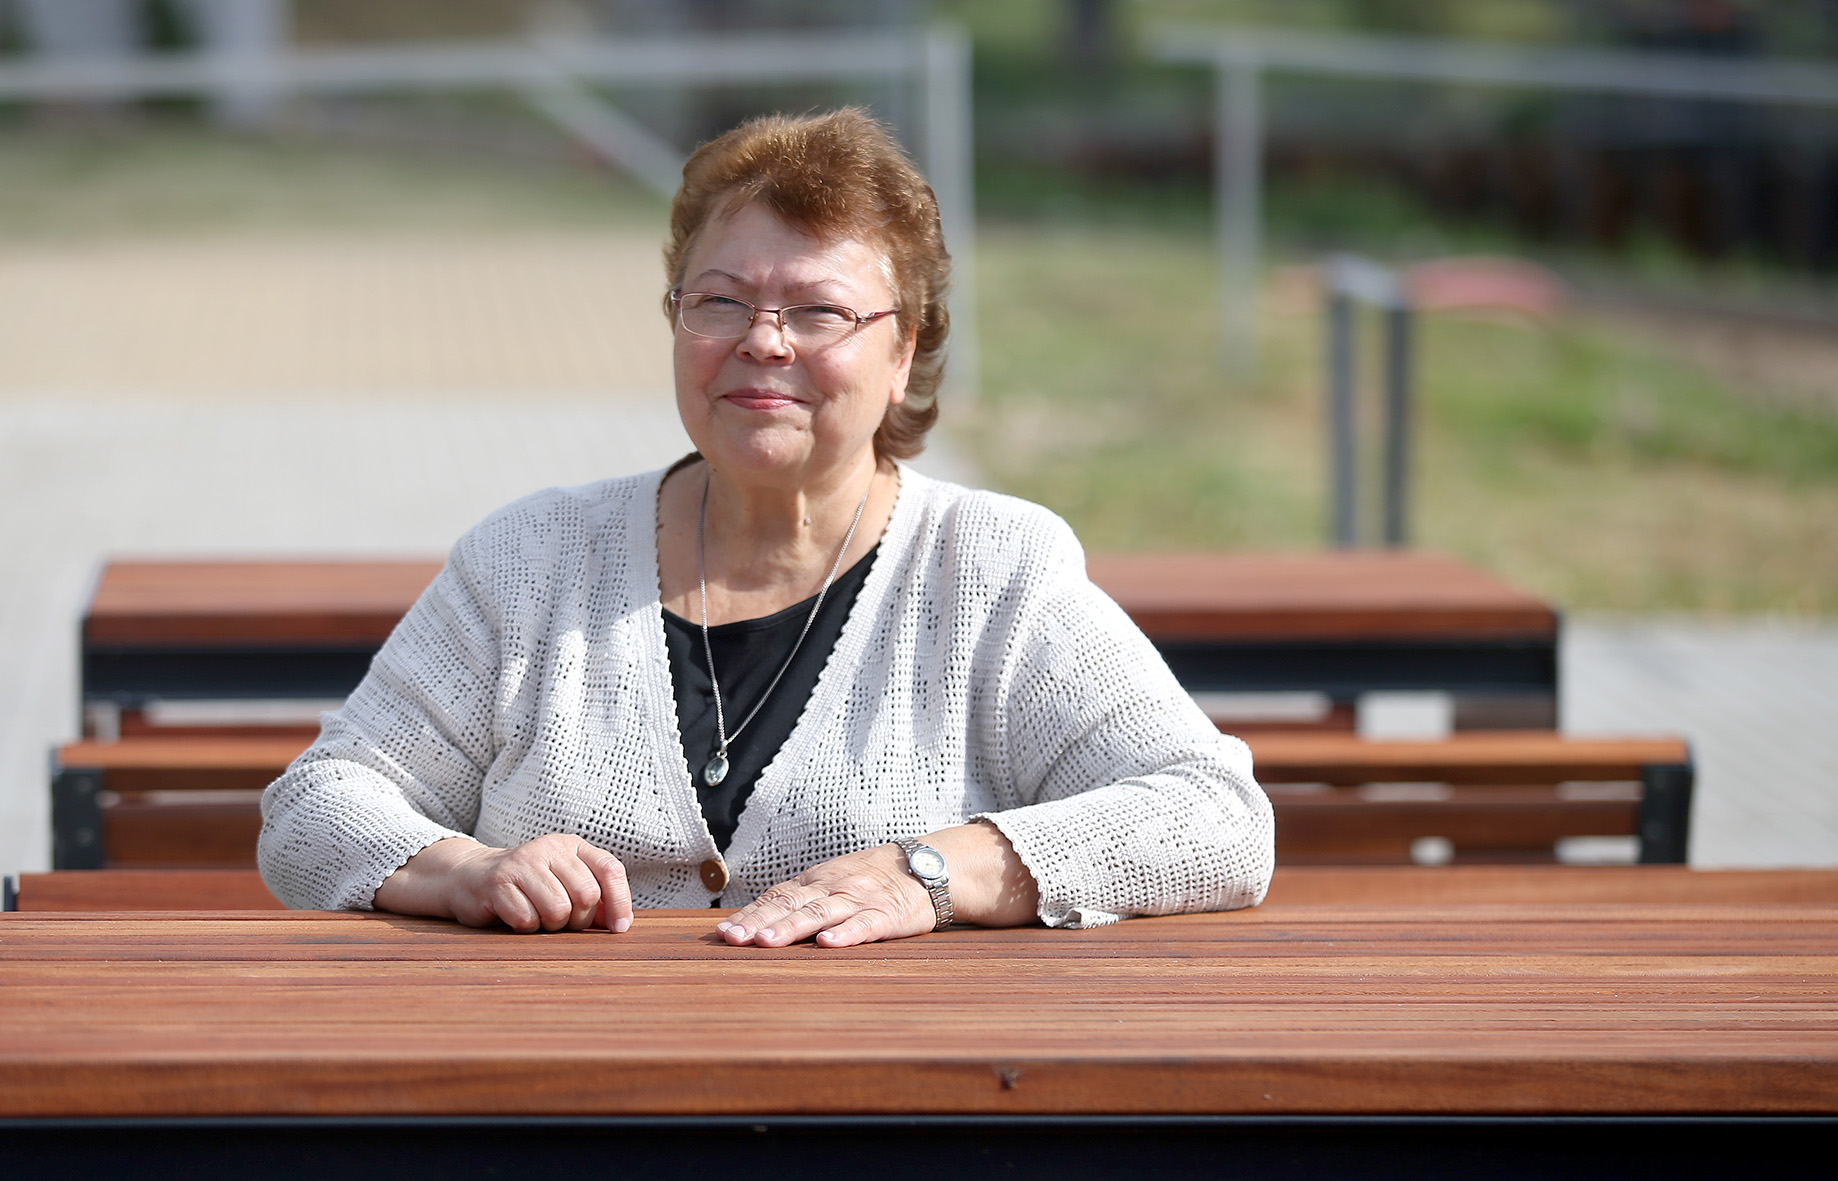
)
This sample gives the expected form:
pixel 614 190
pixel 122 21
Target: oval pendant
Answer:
pixel 716 770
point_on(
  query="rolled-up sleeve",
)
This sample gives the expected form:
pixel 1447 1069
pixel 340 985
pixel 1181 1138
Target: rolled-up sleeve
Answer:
pixel 400 766
pixel 1130 801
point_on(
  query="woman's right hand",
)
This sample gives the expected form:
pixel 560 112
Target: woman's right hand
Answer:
pixel 552 883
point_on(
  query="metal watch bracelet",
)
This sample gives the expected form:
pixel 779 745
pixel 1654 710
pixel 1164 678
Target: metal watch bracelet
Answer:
pixel 937 886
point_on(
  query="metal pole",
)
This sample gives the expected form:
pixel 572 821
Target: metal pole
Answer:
pixel 1342 457
pixel 949 164
pixel 1238 151
pixel 1397 422
pixel 245 37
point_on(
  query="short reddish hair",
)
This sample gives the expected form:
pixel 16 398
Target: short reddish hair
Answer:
pixel 839 174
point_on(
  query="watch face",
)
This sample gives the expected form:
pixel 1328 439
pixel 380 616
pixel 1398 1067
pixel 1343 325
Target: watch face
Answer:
pixel 928 863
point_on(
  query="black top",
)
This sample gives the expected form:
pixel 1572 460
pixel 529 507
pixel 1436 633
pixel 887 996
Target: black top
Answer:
pixel 748 653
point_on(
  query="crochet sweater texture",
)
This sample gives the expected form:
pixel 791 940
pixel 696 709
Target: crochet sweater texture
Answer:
pixel 979 674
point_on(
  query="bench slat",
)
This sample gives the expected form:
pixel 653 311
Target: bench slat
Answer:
pixel 138 833
pixel 144 889
pixel 1287 757
pixel 1505 757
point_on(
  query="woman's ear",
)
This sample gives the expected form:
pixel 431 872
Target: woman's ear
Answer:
pixel 904 368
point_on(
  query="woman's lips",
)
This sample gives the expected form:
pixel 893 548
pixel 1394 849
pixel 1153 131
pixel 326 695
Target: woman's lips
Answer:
pixel 760 400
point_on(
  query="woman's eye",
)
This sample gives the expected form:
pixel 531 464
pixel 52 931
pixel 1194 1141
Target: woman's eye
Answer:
pixel 720 303
pixel 824 314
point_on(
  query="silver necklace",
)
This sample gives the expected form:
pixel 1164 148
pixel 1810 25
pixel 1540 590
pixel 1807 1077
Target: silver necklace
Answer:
pixel 716 769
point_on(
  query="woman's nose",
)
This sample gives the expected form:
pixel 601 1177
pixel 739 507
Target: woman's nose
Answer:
pixel 766 337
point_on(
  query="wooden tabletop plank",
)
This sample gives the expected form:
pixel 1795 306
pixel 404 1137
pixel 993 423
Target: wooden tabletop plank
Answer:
pixel 1519 885
pixel 1715 1005
pixel 1173 597
pixel 1406 929
pixel 1362 594
pixel 253 602
pixel 1467 886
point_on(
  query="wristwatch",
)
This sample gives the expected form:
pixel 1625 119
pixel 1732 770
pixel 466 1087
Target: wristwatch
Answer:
pixel 928 865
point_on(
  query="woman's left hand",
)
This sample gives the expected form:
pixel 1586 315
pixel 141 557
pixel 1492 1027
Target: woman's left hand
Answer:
pixel 856 898
pixel 870 895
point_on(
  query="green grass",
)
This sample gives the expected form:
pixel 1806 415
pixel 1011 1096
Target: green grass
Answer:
pixel 1102 396
pixel 1582 394
pixel 1588 464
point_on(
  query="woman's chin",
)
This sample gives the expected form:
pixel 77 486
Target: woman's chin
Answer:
pixel 762 451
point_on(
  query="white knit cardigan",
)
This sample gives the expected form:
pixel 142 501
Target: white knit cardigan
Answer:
pixel 979 674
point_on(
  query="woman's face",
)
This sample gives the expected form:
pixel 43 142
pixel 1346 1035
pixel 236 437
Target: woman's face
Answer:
pixel 767 404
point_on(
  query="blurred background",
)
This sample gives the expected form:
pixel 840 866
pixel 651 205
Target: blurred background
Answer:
pixel 338 277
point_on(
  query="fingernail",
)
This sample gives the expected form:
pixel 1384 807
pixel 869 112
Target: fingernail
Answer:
pixel 765 932
pixel 622 925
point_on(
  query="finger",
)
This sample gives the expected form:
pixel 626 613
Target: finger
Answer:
pixel 823 911
pixel 763 912
pixel 545 896
pixel 582 887
pixel 615 912
pixel 505 901
pixel 864 926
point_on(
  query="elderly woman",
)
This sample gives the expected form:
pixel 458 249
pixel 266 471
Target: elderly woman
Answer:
pixel 788 677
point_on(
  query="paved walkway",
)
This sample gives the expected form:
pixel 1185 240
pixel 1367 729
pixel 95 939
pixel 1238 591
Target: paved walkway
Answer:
pixel 239 318
pixel 1759 702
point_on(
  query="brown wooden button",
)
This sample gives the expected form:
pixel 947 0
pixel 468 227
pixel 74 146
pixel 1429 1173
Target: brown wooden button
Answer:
pixel 715 874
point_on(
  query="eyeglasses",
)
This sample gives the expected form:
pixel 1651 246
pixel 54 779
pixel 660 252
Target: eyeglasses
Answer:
pixel 726 317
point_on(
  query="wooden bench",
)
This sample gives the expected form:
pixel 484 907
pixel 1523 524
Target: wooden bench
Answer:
pixel 1339 799
pixel 1501 796
pixel 1336 624
pixel 163 802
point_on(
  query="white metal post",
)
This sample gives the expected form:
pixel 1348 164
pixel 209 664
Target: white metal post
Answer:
pixel 949 162
pixel 1238 187
pixel 245 37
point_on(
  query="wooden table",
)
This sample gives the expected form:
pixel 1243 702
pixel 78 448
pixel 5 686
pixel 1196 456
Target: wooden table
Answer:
pixel 1417 1029
pixel 1345 623
pixel 245 629
pixel 1339 623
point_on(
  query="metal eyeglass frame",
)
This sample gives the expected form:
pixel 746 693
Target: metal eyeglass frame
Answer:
pixel 861 320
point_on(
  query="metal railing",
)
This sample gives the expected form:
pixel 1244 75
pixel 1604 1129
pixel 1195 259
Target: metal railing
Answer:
pixel 556 75
pixel 1241 56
